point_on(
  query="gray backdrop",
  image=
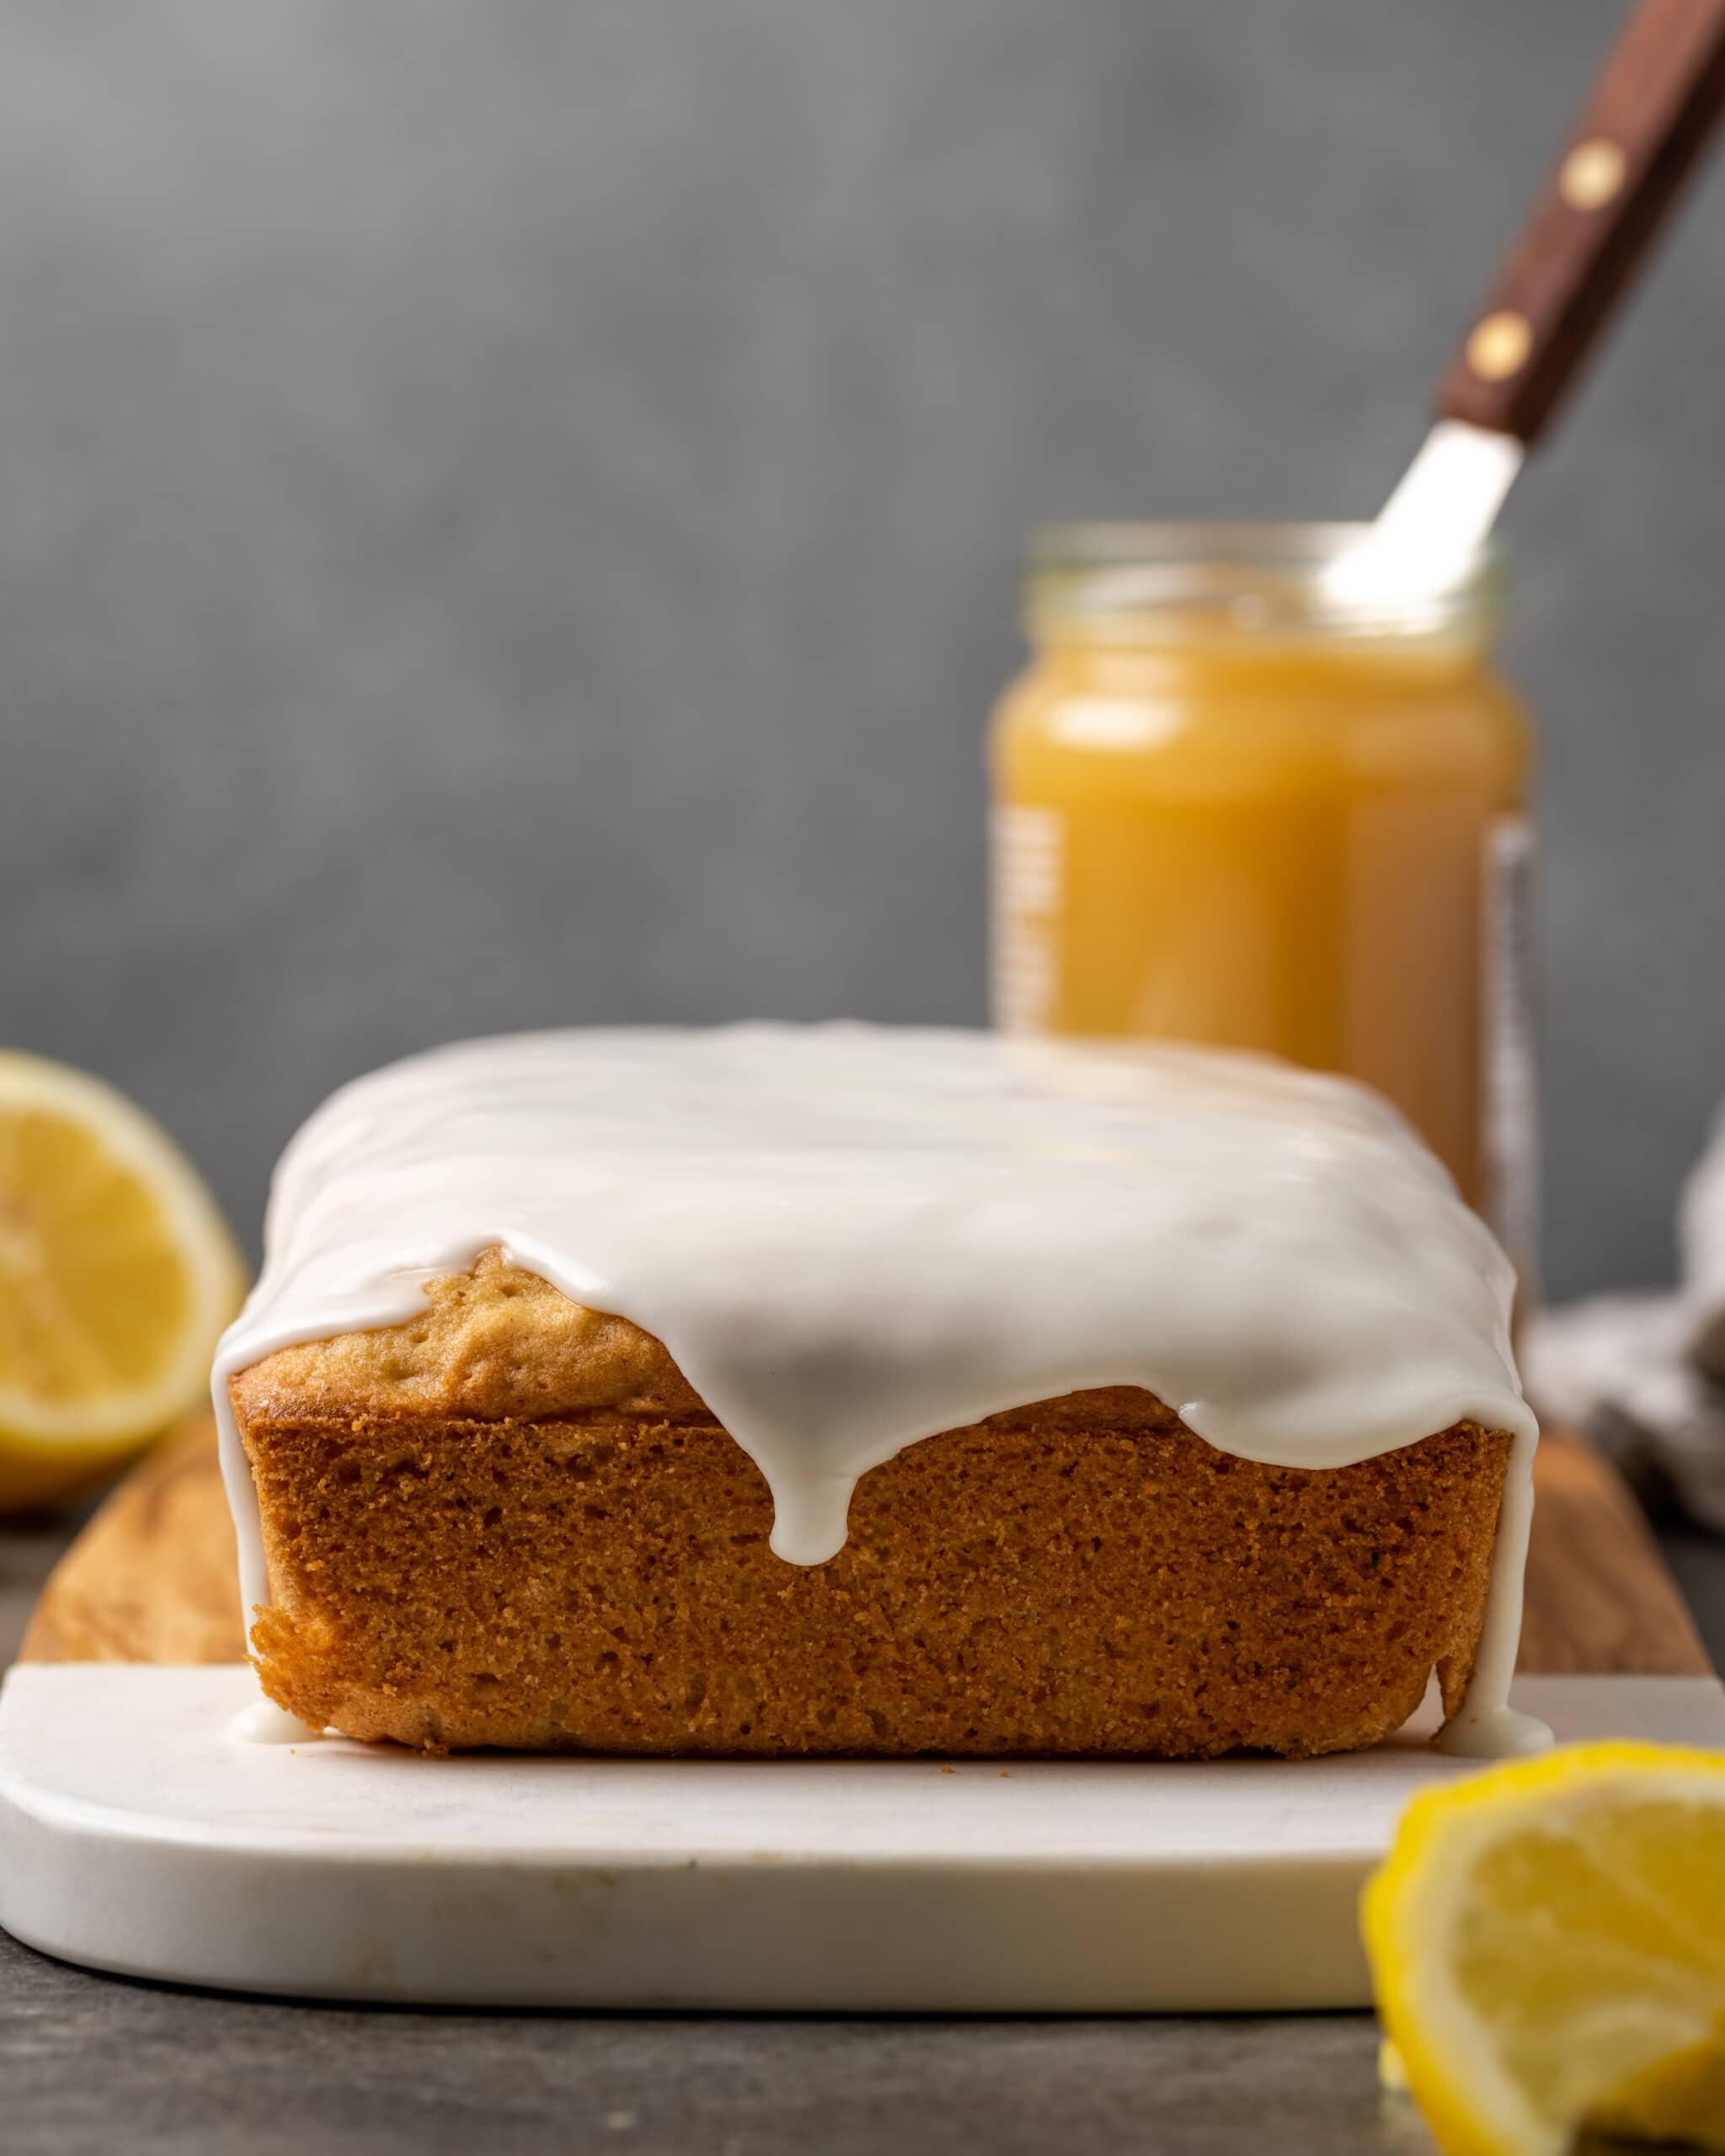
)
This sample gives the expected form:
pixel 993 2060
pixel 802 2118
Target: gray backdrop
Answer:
pixel 509 509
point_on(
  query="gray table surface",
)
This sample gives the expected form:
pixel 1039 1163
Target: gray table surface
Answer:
pixel 92 2064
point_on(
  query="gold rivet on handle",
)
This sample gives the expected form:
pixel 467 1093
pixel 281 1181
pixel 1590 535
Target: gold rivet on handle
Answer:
pixel 1499 346
pixel 1591 175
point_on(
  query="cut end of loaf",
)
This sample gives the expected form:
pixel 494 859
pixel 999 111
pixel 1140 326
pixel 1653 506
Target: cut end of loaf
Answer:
pixel 514 1523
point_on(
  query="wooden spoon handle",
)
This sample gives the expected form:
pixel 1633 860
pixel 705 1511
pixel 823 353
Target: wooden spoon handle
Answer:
pixel 1643 129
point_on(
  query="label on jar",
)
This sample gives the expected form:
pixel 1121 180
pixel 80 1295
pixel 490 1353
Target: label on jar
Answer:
pixel 1027 891
pixel 1509 1101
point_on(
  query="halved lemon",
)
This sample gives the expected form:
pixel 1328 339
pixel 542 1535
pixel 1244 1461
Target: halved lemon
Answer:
pixel 117 1274
pixel 1547 1940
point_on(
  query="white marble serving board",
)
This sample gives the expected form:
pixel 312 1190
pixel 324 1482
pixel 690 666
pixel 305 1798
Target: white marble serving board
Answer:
pixel 138 1835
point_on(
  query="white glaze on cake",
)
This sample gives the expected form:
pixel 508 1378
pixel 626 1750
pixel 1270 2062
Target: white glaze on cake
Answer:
pixel 264 1722
pixel 850 1238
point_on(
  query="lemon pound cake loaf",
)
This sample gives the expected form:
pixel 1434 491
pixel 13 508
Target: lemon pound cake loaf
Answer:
pixel 777 1389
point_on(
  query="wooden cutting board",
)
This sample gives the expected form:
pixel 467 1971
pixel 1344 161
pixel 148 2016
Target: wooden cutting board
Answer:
pixel 152 1578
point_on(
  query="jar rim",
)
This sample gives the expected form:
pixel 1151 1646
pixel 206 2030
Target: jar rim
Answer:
pixel 1172 581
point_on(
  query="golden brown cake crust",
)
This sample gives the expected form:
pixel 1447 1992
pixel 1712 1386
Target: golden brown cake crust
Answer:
pixel 512 1522
pixel 492 1343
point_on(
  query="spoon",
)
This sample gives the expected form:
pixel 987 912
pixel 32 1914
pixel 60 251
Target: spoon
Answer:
pixel 1639 136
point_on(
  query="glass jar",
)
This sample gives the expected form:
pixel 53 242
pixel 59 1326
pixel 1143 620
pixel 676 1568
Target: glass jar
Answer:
pixel 1230 807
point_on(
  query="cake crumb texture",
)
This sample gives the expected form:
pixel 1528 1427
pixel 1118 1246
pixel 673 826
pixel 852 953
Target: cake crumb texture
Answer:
pixel 512 1522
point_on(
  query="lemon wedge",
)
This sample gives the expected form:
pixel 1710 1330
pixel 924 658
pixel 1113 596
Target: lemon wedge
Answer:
pixel 117 1274
pixel 1548 1941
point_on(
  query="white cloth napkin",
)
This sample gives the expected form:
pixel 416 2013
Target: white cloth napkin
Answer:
pixel 1645 1374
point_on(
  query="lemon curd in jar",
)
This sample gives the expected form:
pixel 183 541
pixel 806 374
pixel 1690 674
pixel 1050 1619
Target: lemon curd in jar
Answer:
pixel 1228 809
